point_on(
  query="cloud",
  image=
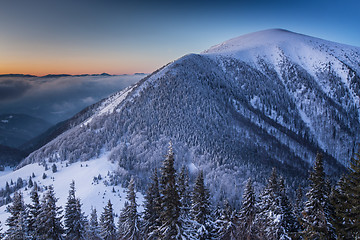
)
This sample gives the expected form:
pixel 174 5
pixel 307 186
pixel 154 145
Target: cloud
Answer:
pixel 57 98
pixel 13 89
pixel 88 100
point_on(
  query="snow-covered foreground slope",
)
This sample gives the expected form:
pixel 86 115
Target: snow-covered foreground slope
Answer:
pixel 92 193
pixel 268 99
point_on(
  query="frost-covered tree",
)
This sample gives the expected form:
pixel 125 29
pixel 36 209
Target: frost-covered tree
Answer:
pixel 152 208
pixel 184 192
pixel 34 210
pixel 268 219
pixel 247 213
pixel 170 201
pixel 299 202
pixel 129 223
pixel 74 218
pixel 16 222
pixel 200 208
pixel 30 183
pixel 226 222
pixel 346 200
pixel 54 168
pixel 107 225
pixel 93 231
pixel 7 188
pixel 316 220
pixel 2 235
pixel 288 220
pixel 19 183
pixel 49 219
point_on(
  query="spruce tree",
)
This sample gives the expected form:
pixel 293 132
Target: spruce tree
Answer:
pixel 247 212
pixel 170 201
pixel 49 220
pixel 129 224
pixel 184 193
pixel 288 219
pixel 346 200
pixel 339 200
pixel 93 231
pixel 268 224
pixel 226 223
pixel 1 231
pixel 185 219
pixel 73 218
pixel 16 222
pixel 54 168
pixel 7 189
pixel 30 183
pixel 34 211
pixel 316 219
pixel 108 230
pixel 299 202
pixel 200 207
pixel 152 208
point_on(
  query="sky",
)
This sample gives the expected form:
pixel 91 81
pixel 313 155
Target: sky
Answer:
pixel 40 37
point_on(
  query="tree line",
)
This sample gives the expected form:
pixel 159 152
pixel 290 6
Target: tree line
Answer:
pixel 175 210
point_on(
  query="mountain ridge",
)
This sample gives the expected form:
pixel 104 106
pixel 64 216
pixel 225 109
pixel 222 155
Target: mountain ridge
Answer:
pixel 233 117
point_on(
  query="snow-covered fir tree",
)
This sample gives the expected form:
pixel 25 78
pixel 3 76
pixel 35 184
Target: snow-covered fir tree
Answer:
pixel 34 209
pixel 189 226
pixel 93 231
pixel 316 220
pixel 200 208
pixel 247 213
pixel 30 183
pixel 49 219
pixel 268 219
pixel 288 220
pixel 152 208
pixel 184 191
pixel 299 202
pixel 107 225
pixel 129 221
pixel 2 235
pixel 346 201
pixel 226 223
pixel 73 219
pixel 16 222
pixel 170 201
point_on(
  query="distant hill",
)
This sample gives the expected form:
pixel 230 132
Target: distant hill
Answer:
pixel 16 129
pixel 10 156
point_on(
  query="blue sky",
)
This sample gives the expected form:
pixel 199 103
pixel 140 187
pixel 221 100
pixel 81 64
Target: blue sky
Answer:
pixel 51 36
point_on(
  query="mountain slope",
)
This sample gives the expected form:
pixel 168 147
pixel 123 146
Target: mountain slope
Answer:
pixel 16 129
pixel 92 190
pixel 10 156
pixel 272 98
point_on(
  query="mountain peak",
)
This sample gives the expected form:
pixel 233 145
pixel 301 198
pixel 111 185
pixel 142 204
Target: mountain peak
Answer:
pixel 253 40
pixel 268 39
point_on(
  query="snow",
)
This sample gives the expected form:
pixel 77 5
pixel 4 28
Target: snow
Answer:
pixel 6 171
pixel 83 173
pixel 308 52
pixel 111 103
pixel 255 101
pixel 192 168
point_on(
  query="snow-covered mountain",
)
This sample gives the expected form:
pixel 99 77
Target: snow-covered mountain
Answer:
pixel 271 98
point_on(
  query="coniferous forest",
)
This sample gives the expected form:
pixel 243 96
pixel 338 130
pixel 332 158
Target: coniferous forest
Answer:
pixel 177 208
